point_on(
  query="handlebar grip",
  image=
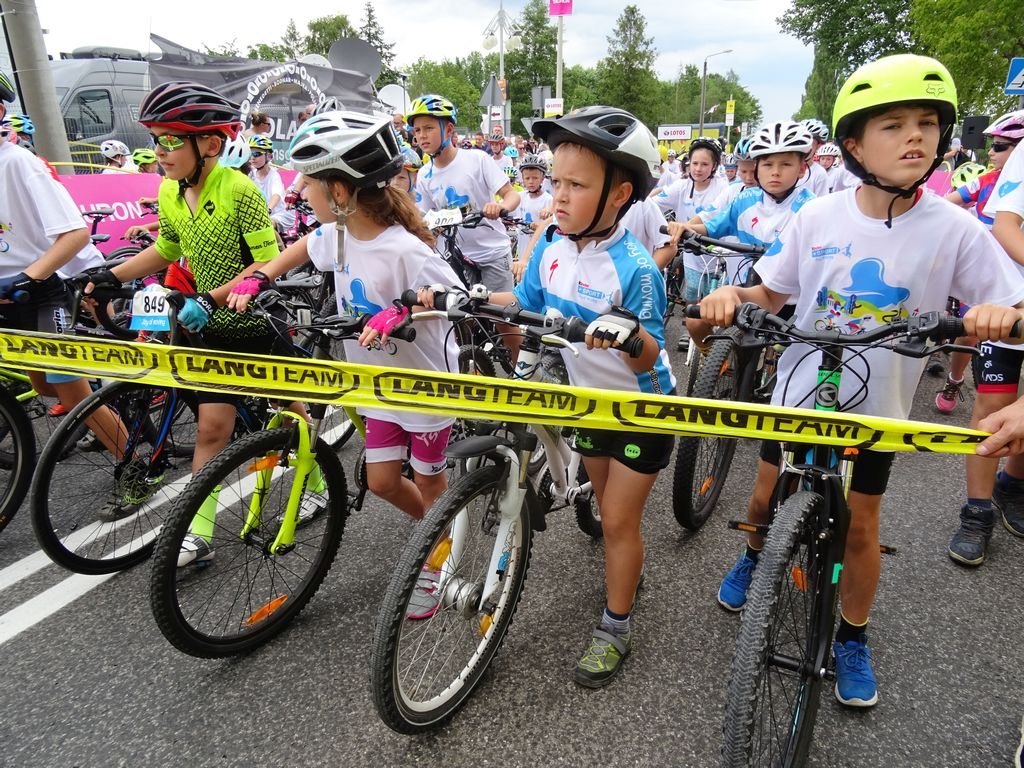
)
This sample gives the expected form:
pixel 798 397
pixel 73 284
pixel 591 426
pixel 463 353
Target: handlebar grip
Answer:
pixel 20 297
pixel 403 333
pixel 575 330
pixel 634 347
pixel 1017 331
pixel 663 229
pixel 950 328
pixel 408 298
pixel 693 311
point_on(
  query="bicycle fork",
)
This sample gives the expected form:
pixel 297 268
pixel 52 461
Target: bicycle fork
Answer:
pixel 302 459
pixel 469 597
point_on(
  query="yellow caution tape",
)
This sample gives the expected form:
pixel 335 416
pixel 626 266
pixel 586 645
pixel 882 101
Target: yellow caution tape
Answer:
pixel 469 397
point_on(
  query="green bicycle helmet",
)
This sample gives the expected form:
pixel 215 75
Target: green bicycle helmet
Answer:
pixel 965 174
pixel 261 144
pixel 21 124
pixel 901 79
pixel 143 156
pixel 435 106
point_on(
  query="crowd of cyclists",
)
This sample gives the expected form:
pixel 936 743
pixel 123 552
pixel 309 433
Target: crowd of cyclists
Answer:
pixel 853 240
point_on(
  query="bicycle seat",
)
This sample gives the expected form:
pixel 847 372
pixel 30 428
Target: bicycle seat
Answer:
pixel 99 213
pixel 476 445
pixel 99 238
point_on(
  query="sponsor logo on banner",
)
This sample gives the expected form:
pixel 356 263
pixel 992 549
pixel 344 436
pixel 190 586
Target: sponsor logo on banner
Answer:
pixel 559 7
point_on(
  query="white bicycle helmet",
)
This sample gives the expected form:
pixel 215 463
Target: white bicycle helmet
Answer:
pixel 816 128
pixel 236 152
pixel 783 136
pixel 360 148
pixel 829 150
pixel 112 148
pixel 1010 125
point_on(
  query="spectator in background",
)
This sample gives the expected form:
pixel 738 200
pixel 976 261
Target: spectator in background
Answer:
pixel 957 155
pixel 259 124
pixel 398 121
pixel 305 114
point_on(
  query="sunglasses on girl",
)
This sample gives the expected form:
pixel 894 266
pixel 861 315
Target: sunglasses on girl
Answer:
pixel 174 141
pixel 1000 146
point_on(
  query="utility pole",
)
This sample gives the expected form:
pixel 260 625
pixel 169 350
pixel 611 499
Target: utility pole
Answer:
pixel 35 79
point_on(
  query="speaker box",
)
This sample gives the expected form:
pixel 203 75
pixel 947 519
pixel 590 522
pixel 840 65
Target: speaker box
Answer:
pixel 972 136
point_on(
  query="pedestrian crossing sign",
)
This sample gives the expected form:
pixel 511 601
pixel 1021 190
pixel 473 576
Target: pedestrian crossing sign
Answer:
pixel 1015 78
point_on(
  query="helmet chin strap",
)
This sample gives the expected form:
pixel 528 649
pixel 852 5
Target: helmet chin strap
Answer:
pixel 588 232
pixel 899 192
pixel 776 198
pixel 445 141
pixel 192 179
pixel 342 214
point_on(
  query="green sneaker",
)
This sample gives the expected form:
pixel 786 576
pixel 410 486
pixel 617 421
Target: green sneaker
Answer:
pixel 602 660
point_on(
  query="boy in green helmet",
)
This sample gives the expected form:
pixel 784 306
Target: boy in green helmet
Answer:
pixel 852 261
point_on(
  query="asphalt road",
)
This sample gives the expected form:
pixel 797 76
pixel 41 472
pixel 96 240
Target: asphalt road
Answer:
pixel 94 683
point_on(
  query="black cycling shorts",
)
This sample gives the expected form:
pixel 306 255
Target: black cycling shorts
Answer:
pixel 871 469
pixel 643 452
pixel 257 345
pixel 997 369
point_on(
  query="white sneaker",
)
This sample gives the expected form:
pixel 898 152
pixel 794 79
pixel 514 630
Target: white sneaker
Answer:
pixel 310 507
pixel 424 601
pixel 194 549
pixel 1018 759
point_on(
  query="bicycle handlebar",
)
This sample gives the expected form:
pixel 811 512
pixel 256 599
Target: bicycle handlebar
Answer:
pixel 929 326
pixel 703 241
pixel 457 304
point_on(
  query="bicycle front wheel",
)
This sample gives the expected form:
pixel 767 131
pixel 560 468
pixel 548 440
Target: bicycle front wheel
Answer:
pixel 702 463
pixel 254 578
pixel 17 453
pixel 423 669
pixel 783 645
pixel 96 511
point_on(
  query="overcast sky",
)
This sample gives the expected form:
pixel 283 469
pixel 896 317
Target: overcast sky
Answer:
pixel 772 65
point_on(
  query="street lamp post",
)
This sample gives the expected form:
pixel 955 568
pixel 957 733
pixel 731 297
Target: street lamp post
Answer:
pixel 704 86
pixel 497 30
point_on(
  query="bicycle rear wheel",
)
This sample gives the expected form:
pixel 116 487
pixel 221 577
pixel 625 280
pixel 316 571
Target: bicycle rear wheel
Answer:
pixel 94 513
pixel 783 645
pixel 247 592
pixel 702 463
pixel 423 670
pixel 17 454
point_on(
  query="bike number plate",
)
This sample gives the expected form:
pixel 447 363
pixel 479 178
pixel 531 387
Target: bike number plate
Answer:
pixel 445 218
pixel 150 310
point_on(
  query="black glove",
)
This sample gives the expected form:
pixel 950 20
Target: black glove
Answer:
pixel 18 287
pixel 100 278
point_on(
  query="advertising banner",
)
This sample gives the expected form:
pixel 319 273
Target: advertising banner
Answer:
pixel 559 7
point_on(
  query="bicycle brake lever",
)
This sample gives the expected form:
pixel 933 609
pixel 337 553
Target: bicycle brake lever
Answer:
pixel 560 342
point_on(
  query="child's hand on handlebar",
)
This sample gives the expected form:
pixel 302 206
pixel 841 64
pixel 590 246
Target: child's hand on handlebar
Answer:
pixel 382 324
pixel 492 211
pixel 676 230
pixel 719 307
pixel 247 288
pixel 132 232
pixel 992 322
pixel 612 329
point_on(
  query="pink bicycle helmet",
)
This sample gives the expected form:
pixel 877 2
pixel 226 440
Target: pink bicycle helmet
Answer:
pixel 1010 125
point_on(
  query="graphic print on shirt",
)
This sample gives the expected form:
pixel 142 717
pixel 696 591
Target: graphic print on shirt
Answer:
pixel 867 300
pixel 454 199
pixel 4 245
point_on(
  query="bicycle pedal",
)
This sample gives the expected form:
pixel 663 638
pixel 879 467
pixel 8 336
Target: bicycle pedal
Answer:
pixel 743 525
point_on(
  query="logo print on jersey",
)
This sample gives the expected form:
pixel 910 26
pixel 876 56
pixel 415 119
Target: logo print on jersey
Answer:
pixel 868 297
pixel 209 207
pixel 552 268
pixel 827 252
pixel 1007 187
pixel 453 199
pixel 359 299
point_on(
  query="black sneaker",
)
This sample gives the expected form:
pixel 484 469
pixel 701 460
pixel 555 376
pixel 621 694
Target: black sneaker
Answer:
pixel 1012 506
pixel 968 545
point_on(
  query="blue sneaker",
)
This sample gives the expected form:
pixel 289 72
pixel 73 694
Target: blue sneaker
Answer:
pixel 732 595
pixel 855 680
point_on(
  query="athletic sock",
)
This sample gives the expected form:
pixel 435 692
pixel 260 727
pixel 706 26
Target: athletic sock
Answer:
pixel 202 523
pixel 616 623
pixel 849 631
pixel 980 503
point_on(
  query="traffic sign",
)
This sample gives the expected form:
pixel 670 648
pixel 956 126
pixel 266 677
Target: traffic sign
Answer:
pixel 1015 78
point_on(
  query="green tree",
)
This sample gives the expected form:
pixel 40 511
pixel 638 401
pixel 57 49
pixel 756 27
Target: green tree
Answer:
pixel 845 35
pixel 292 44
pixel 579 86
pixel 448 79
pixel 267 52
pixel 372 32
pixel 626 74
pixel 975 40
pixel 534 63
pixel 324 31
pixel 229 49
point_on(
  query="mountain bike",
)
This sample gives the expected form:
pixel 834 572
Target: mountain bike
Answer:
pixel 786 629
pixel 729 371
pixel 279 502
pixel 108 473
pixel 477 540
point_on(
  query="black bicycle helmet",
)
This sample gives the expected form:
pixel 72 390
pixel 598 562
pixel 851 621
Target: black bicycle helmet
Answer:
pixel 709 144
pixel 6 88
pixel 190 108
pixel 618 137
